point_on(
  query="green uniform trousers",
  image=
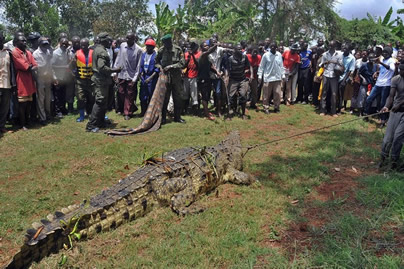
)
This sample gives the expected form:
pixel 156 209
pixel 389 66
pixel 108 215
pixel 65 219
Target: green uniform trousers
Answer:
pixel 175 86
pixel 85 94
pixel 97 117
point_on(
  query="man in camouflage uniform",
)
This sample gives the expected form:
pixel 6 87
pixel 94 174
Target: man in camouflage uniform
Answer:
pixel 102 79
pixel 170 59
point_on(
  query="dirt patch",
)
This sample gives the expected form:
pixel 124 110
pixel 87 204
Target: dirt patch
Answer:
pixel 340 189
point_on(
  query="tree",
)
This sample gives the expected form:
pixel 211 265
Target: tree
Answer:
pixel 120 16
pixel 36 15
pixel 78 15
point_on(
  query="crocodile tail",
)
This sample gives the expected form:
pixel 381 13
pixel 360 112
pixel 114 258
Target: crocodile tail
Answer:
pixel 125 201
pixel 45 237
pixel 152 118
pixel 232 144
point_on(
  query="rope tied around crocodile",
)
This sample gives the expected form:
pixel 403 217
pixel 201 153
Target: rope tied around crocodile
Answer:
pixel 309 132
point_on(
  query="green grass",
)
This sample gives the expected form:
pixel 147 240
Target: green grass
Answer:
pixel 48 168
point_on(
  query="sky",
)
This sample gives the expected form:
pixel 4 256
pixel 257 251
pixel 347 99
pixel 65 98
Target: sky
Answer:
pixel 345 8
pixel 350 9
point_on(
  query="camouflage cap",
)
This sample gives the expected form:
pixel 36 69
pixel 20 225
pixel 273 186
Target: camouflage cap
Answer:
pixel 103 36
pixel 33 35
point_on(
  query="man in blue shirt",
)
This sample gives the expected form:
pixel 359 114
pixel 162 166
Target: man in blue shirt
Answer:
pixel 348 61
pixel 304 81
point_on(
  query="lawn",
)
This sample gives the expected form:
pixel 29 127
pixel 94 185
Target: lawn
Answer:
pixel 320 201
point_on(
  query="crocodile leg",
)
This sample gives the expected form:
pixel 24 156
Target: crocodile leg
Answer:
pixel 165 189
pixel 238 177
pixel 181 203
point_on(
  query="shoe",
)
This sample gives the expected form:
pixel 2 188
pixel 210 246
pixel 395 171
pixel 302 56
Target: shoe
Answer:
pixel 394 166
pixel 244 117
pixel 93 130
pixel 43 122
pixel 277 110
pixel 253 107
pixel 163 121
pixel 266 111
pixel 180 120
pixel 382 162
pixel 304 103
pixel 322 114
pixel 24 128
pixel 126 117
pixel 210 117
pixel 59 115
pixel 335 116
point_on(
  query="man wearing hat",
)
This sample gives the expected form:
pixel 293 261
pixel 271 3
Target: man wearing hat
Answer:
pixel 148 75
pixel 383 82
pixel 102 71
pixel 170 59
pixel 33 39
pixel 45 75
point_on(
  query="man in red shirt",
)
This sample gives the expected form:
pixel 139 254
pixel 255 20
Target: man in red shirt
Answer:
pixel 191 74
pixel 255 59
pixel 291 61
pixel 24 64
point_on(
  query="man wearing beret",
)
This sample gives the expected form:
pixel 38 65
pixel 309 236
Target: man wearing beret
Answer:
pixel 102 79
pixel 170 59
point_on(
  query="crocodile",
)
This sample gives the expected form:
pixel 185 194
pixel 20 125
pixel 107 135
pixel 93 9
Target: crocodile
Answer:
pixel 152 118
pixel 176 180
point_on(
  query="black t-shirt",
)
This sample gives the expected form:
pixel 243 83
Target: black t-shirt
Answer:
pixel 237 67
pixel 204 67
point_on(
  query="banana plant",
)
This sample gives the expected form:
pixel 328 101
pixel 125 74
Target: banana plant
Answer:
pixel 165 20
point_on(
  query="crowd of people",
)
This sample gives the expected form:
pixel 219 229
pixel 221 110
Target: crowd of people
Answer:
pixel 39 83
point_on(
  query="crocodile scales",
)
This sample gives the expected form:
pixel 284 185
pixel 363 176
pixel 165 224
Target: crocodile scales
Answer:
pixel 176 180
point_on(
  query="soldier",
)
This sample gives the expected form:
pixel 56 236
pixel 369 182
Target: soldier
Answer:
pixel 102 71
pixel 170 59
pixel 83 64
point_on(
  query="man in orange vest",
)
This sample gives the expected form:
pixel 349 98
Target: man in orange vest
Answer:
pixel 84 71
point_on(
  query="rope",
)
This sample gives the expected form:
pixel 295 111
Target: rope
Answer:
pixel 309 132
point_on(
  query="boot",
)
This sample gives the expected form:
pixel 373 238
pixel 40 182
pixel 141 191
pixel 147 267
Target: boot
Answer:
pixel 81 118
pixel 177 112
pixel 382 162
pixel 70 107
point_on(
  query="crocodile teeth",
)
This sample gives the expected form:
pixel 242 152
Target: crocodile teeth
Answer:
pixel 36 225
pixel 65 211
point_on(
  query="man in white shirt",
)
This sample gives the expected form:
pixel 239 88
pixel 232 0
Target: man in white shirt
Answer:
pixel 272 71
pixel 45 74
pixel 383 83
pixel 7 81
